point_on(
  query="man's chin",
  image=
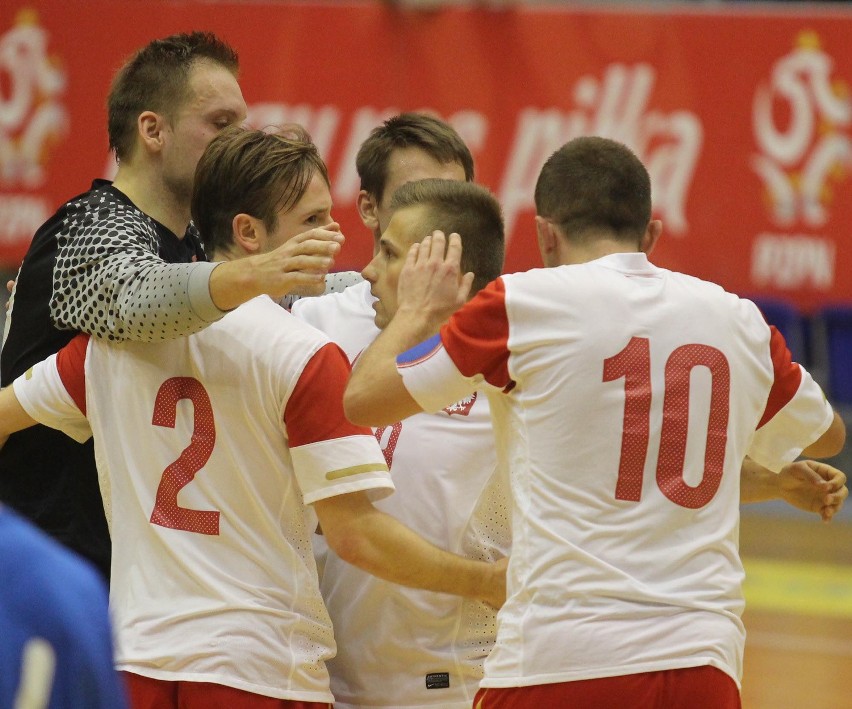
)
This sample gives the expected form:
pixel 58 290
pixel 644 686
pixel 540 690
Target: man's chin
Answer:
pixel 378 316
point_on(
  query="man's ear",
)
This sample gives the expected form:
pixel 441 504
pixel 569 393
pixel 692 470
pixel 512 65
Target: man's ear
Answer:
pixel 150 127
pixel 652 234
pixel 368 210
pixel 547 237
pixel 248 233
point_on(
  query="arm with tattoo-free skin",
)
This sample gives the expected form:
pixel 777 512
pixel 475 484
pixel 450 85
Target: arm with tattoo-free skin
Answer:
pixel 145 298
pixel 374 541
pixel 808 485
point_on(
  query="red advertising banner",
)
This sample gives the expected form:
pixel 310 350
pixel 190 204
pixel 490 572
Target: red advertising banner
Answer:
pixel 743 116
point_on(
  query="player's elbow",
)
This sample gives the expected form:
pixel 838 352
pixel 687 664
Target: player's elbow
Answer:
pixel 353 405
pixel 381 401
pixel 829 443
pixel 351 548
pixel 352 544
pixel 345 521
pixel 362 405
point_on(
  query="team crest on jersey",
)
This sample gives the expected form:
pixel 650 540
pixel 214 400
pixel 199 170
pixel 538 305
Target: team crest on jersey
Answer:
pixel 463 407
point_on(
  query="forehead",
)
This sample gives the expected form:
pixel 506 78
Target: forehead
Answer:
pixel 213 88
pixel 407 226
pixel 410 164
pixel 316 195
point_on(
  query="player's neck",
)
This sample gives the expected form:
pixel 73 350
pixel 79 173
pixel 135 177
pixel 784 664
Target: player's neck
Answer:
pixel 151 196
pixel 231 254
pixel 571 254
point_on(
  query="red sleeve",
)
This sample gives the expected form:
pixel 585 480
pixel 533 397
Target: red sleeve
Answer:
pixel 314 411
pixel 71 365
pixel 477 336
pixel 787 376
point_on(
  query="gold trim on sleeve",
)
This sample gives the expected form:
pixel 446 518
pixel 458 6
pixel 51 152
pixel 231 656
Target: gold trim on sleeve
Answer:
pixel 356 470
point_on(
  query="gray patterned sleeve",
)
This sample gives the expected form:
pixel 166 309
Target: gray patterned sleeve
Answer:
pixel 109 281
pixel 334 283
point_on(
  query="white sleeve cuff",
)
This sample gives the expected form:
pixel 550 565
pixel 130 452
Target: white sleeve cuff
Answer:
pixel 432 378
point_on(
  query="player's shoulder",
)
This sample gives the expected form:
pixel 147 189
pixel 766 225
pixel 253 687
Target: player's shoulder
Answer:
pixel 72 210
pixel 527 286
pixel 720 308
pixel 354 301
pixel 263 335
pixel 101 200
pixel 712 290
pixel 263 318
pixel 352 296
pixel 105 212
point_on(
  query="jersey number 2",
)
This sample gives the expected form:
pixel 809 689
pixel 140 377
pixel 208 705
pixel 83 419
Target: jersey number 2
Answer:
pixel 167 512
pixel 633 363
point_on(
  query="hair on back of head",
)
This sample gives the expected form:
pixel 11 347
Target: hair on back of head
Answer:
pixel 593 187
pixel 155 78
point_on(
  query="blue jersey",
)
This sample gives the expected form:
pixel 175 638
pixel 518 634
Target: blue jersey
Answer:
pixel 55 637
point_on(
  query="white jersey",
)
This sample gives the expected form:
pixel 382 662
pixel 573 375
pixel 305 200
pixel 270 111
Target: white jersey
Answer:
pixel 625 398
pixel 396 646
pixel 346 317
pixel 213 578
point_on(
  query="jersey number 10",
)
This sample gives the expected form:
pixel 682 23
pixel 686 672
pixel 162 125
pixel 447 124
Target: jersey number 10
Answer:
pixel 633 363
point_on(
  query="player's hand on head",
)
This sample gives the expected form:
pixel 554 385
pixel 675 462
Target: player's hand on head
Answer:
pixel 431 282
pixel 300 264
pixel 815 487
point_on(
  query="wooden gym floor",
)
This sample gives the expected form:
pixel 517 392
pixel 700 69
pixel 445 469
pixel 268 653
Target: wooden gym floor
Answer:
pixel 798 614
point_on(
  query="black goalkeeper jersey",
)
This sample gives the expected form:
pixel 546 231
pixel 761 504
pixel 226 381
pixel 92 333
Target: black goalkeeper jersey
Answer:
pixel 44 475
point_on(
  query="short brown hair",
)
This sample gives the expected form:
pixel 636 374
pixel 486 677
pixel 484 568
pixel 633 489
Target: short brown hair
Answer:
pixel 255 172
pixel 409 130
pixel 593 186
pixel 155 79
pixel 467 209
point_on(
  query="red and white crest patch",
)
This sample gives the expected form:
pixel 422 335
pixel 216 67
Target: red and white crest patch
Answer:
pixel 463 407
